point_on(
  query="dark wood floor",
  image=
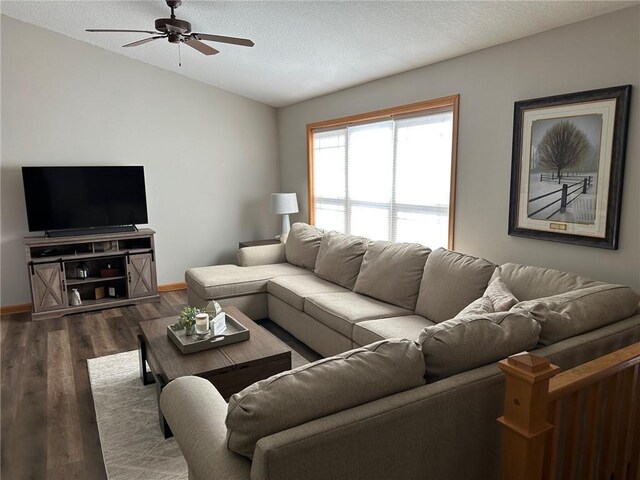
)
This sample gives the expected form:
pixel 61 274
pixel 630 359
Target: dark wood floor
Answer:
pixel 48 419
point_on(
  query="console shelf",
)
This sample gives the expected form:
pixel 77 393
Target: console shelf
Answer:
pixel 108 270
pixel 81 281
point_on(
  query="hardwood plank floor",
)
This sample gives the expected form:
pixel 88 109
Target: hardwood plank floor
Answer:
pixel 48 420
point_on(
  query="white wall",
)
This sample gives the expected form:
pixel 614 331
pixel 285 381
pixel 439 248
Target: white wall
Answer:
pixel 596 53
pixel 210 157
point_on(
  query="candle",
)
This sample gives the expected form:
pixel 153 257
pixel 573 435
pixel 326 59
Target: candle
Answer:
pixel 202 323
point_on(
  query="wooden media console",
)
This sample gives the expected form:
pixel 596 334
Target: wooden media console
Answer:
pixel 108 270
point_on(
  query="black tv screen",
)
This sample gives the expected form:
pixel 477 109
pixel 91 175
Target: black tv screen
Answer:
pixel 60 198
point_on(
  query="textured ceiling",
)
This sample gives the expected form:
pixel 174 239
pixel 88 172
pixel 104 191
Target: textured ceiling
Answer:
pixel 304 49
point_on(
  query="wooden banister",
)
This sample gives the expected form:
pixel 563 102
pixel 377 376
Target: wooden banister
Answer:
pixel 525 415
pixel 583 423
pixel 592 372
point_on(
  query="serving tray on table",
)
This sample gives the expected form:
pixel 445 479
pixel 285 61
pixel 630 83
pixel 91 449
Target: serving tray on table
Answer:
pixel 235 332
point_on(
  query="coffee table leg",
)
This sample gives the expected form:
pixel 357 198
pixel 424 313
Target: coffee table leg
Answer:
pixel 164 426
pixel 149 378
pixel 146 377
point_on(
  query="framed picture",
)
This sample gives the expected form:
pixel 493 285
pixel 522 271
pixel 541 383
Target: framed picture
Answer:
pixel 567 167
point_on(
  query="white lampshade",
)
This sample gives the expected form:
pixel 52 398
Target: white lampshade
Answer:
pixel 284 203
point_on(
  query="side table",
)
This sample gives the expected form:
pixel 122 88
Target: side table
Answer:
pixel 258 243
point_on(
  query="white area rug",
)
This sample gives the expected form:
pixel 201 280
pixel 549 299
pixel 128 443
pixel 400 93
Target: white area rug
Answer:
pixel 133 446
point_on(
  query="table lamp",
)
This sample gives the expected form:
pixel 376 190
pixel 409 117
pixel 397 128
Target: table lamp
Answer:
pixel 284 204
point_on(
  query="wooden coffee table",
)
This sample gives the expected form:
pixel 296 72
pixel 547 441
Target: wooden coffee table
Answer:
pixel 230 368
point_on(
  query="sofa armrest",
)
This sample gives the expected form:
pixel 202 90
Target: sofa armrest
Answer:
pixel 195 412
pixel 414 434
pixel 262 255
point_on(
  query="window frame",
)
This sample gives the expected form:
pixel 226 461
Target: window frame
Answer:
pixel 449 103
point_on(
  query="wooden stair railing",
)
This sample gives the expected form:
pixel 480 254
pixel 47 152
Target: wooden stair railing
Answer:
pixel 581 424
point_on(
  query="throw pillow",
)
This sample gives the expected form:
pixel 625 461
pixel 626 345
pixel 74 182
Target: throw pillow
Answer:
pixel 461 344
pixel 302 245
pixel 480 306
pixel 392 271
pixel 321 388
pixel 451 280
pixel 340 257
pixel 496 298
pixel 500 295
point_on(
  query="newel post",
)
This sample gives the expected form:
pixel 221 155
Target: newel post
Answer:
pixel 525 415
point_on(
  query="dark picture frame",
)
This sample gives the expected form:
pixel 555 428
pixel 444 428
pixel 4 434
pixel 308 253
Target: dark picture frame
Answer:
pixel 567 167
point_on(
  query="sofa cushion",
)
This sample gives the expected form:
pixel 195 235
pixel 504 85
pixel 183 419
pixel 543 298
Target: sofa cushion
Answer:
pixel 408 326
pixel 580 311
pixel 302 245
pixel 340 311
pixel 293 289
pixel 321 388
pixel 527 282
pixel 340 257
pixel 223 281
pixel 462 344
pixel 451 281
pixel 392 271
pixel 496 298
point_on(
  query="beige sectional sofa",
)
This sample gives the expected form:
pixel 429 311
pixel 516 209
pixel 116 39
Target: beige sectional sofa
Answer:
pixel 338 292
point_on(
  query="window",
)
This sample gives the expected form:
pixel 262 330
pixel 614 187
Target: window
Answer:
pixel 387 175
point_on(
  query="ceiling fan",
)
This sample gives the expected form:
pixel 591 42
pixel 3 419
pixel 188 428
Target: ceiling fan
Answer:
pixel 179 31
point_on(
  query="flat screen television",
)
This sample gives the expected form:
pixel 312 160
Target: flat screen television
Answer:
pixel 84 199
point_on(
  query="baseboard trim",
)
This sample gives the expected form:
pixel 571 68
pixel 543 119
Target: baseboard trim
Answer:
pixel 23 308
pixel 170 287
pixel 26 307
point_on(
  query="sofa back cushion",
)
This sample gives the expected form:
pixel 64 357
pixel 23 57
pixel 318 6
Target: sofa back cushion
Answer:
pixel 340 257
pixel 527 282
pixel 321 388
pixel 465 343
pixel 451 281
pixel 302 245
pixel 392 272
pixel 573 313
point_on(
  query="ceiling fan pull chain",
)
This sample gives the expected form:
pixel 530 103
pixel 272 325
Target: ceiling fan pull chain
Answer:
pixel 179 57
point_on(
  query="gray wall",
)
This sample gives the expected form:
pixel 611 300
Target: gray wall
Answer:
pixel 596 53
pixel 210 157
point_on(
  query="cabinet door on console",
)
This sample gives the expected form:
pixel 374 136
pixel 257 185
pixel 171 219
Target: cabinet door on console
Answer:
pixel 141 275
pixel 47 287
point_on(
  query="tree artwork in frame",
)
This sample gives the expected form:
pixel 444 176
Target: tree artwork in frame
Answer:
pixel 567 167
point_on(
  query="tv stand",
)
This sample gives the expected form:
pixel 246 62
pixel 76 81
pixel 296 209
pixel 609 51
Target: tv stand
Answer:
pixel 107 269
pixel 90 231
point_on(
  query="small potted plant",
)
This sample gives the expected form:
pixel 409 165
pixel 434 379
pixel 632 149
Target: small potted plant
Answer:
pixel 187 319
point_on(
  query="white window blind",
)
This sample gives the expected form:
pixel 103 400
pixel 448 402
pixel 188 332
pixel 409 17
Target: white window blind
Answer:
pixel 386 180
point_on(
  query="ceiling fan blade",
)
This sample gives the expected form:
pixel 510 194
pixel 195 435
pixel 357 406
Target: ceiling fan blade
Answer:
pixel 117 31
pixel 145 40
pixel 245 42
pixel 201 47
